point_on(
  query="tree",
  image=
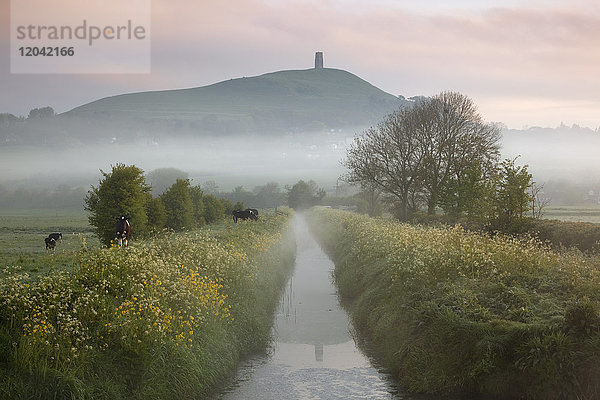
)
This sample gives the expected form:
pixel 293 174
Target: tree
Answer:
pixel 455 138
pixel 538 203
pixel 513 197
pixel 214 208
pixel 240 195
pixel 414 153
pixel 157 214
pixel 268 195
pixel 229 206
pixel 123 191
pixel 178 205
pixel 41 113
pixel 470 193
pixel 7 120
pixel 163 178
pixel 388 157
pixel 210 187
pixel 370 201
pixel 196 195
pixel 304 195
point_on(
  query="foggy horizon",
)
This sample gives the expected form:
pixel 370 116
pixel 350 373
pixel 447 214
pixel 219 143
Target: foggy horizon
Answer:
pixel 250 161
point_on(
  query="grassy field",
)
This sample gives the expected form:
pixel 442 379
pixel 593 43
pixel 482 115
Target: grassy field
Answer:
pixel 22 234
pixel 452 311
pixel 587 213
pixel 166 318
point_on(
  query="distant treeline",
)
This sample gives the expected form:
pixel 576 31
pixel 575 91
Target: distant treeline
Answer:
pixel 48 129
pixel 63 196
pixel 265 196
pixel 269 195
pixel 38 128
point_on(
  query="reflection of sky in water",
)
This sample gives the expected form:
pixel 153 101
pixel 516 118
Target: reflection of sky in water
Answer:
pixel 297 356
pixel 309 312
pixel 314 356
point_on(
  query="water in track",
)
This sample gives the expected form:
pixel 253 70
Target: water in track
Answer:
pixel 314 355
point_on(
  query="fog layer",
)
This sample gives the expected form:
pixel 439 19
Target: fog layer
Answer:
pixel 564 153
pixel 568 155
pixel 231 161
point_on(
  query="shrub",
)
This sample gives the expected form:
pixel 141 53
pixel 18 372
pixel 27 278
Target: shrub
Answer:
pixel 123 191
pixel 178 206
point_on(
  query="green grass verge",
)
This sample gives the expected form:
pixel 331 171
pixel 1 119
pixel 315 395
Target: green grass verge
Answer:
pixel 583 213
pixel 163 319
pixel 450 311
pixel 22 234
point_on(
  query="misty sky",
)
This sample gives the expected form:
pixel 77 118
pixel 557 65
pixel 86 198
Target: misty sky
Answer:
pixel 524 63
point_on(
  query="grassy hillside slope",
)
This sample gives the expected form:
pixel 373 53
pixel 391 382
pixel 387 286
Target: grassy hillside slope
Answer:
pixel 294 100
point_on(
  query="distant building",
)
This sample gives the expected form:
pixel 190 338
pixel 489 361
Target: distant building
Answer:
pixel 318 59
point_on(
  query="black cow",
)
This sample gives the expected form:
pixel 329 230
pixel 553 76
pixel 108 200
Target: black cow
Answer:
pixel 244 215
pixel 50 244
pixel 123 231
pixel 56 236
pixel 254 211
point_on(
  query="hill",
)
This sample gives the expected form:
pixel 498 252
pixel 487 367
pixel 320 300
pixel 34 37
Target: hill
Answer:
pixel 278 102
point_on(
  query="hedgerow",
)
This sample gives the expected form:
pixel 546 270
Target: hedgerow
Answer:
pixel 167 318
pixel 452 311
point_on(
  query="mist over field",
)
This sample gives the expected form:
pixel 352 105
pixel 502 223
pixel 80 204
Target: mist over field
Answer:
pixel 565 153
pixel 565 160
pixel 562 154
pixel 232 161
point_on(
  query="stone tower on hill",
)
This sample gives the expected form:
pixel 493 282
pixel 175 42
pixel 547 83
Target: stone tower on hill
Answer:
pixel 318 59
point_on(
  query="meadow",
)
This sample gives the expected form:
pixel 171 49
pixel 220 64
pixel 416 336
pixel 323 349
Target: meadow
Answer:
pixel 22 234
pixel 576 213
pixel 165 318
pixel 452 311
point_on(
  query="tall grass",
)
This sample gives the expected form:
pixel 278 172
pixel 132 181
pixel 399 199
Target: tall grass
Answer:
pixel 451 311
pixel 584 236
pixel 168 318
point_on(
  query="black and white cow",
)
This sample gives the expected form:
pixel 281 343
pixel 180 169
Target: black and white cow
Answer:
pixel 123 231
pixel 50 244
pixel 244 215
pixel 57 236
